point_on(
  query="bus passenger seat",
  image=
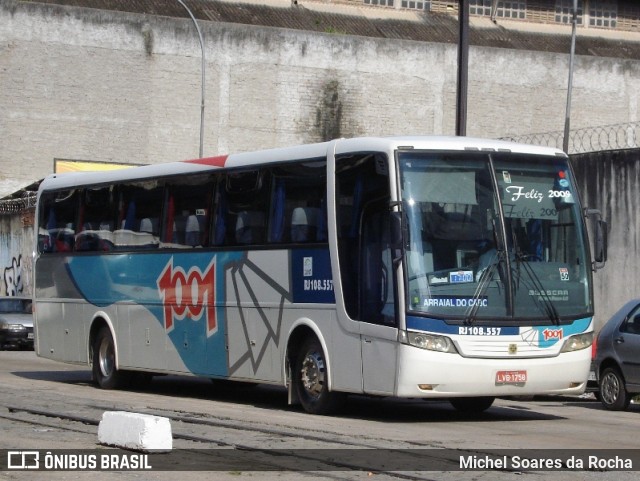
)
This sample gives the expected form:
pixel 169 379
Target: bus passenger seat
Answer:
pixel 250 227
pixel 192 231
pixel 304 224
pixel 146 226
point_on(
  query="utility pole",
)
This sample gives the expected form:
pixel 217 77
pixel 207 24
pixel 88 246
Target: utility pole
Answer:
pixel 463 68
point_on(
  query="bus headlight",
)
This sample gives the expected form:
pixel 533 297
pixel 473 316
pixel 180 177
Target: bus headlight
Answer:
pixel 430 342
pixel 578 342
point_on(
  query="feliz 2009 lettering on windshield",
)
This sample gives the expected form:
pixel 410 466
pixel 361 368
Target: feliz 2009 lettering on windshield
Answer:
pixel 517 192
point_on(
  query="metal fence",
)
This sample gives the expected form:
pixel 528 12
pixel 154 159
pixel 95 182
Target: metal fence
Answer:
pixel 590 139
pixel 26 200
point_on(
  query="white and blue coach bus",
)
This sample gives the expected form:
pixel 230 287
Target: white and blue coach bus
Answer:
pixel 421 267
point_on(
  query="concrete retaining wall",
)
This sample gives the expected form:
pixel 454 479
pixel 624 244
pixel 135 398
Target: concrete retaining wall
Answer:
pixel 610 182
pixel 112 86
pixel 16 254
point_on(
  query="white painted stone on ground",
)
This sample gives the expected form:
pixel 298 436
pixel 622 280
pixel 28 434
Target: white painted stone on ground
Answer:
pixel 141 432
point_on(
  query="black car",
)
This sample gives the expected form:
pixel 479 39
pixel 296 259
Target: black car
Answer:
pixel 616 358
pixel 16 323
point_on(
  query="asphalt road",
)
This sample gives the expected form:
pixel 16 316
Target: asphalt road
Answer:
pixel 48 406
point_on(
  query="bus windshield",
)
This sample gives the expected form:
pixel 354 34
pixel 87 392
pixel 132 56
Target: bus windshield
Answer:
pixel 493 237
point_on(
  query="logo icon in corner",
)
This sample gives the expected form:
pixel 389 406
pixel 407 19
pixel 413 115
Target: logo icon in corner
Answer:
pixel 188 295
pixel 23 460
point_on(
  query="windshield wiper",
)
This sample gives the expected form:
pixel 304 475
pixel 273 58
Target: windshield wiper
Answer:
pixel 486 276
pixel 483 285
pixel 548 307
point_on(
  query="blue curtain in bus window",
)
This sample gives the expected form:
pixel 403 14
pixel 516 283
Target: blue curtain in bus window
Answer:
pixel 534 233
pixel 322 221
pixel 52 223
pixel 45 242
pixel 130 219
pixel 221 226
pixel 277 212
pixel 357 206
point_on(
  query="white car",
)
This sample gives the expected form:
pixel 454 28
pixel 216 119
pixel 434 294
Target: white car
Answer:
pixel 16 323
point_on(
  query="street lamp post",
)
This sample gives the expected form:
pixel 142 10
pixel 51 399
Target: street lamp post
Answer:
pixel 567 121
pixel 203 70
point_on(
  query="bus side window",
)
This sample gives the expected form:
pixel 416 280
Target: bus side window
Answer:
pixel 297 200
pixel 139 208
pixel 187 208
pixel 95 229
pixel 59 218
pixel 247 196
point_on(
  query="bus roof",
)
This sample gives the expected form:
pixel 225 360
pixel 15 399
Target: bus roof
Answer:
pixel 301 152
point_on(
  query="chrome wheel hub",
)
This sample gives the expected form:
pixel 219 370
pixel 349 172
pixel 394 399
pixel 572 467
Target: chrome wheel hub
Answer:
pixel 610 388
pixel 106 358
pixel 312 373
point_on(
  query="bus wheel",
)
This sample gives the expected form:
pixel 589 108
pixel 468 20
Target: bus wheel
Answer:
pixel 311 380
pixel 472 404
pixel 613 394
pixel 104 361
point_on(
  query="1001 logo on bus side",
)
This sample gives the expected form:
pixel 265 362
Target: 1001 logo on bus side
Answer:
pixel 188 295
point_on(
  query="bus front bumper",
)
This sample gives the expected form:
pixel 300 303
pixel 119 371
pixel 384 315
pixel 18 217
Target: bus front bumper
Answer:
pixel 432 374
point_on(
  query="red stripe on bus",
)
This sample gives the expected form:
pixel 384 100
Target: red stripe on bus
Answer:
pixel 218 161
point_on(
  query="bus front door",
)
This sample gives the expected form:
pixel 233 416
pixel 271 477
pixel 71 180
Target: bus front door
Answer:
pixel 377 313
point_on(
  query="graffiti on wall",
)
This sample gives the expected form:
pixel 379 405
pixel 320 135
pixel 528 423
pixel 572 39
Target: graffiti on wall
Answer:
pixel 13 277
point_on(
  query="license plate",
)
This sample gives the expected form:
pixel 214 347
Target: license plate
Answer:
pixel 511 377
pixel 30 335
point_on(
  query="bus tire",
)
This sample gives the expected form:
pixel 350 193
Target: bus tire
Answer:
pixel 613 394
pixel 472 404
pixel 104 369
pixel 311 380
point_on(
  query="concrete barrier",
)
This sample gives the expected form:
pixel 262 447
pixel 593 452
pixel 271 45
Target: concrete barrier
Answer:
pixel 141 432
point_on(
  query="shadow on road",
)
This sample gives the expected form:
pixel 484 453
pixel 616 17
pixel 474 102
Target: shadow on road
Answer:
pixel 386 410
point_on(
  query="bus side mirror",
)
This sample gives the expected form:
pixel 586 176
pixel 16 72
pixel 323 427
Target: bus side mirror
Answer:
pixel 600 241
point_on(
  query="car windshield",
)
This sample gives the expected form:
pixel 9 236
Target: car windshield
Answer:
pixel 15 304
pixel 493 236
